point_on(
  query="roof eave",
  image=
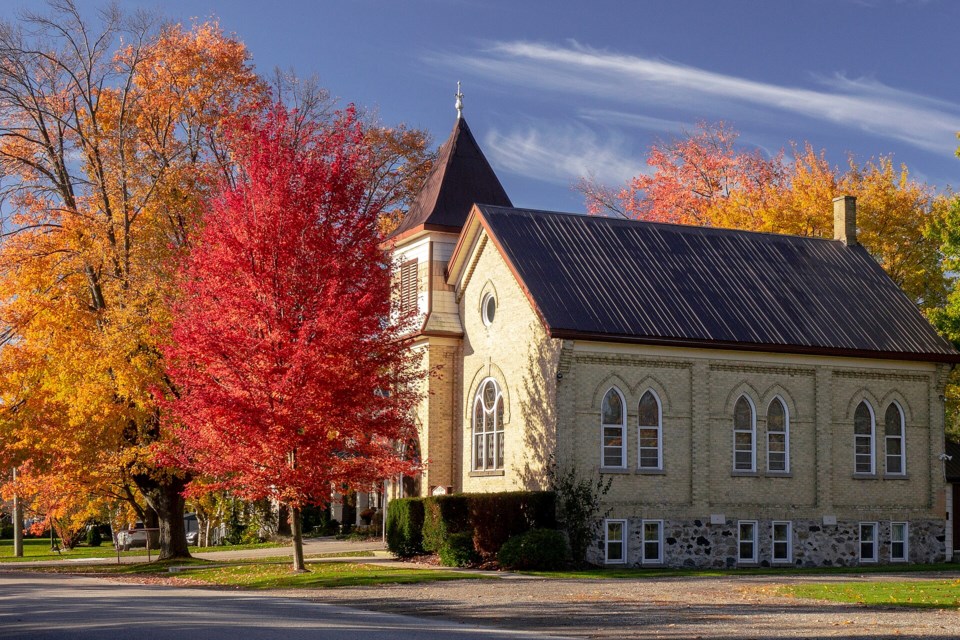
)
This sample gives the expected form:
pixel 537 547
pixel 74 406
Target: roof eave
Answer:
pixel 461 252
pixel 572 334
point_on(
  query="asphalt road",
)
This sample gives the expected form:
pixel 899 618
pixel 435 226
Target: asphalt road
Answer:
pixel 48 606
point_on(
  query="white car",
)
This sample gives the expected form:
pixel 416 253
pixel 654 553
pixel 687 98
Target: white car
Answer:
pixel 131 538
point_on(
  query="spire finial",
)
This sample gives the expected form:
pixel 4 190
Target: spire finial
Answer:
pixel 459 104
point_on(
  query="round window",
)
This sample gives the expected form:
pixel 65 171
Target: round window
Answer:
pixel 489 309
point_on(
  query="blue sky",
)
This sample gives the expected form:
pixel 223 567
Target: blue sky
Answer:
pixel 555 90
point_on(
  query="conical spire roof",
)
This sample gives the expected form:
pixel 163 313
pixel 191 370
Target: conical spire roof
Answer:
pixel 461 177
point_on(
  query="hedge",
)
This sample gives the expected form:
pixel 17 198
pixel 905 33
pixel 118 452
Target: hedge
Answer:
pixel 457 550
pixel 443 516
pixel 537 549
pixel 415 525
pixel 405 527
pixel 497 517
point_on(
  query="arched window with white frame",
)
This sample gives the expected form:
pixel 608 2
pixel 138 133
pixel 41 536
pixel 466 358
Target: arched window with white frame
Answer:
pixel 488 427
pixel 863 435
pixel 744 435
pixel 893 438
pixel 778 436
pixel 650 432
pixel 613 427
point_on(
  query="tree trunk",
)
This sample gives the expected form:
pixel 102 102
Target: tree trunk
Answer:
pixel 283 521
pixel 17 523
pixel 166 498
pixel 296 523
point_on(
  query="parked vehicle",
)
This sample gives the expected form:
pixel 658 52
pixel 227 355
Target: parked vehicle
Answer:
pixel 192 526
pixel 131 538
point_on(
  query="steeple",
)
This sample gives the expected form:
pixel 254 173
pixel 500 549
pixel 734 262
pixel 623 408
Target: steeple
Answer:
pixel 460 177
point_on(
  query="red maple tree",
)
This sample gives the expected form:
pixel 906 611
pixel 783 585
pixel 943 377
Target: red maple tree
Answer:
pixel 291 371
pixel 687 179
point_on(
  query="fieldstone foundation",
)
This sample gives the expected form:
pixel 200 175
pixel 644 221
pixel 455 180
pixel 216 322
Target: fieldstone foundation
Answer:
pixel 700 544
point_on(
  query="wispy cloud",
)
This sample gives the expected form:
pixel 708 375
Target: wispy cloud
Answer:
pixel 863 104
pixel 635 120
pixel 561 153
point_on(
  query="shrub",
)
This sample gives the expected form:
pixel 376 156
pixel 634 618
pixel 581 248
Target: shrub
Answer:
pixel 6 531
pixel 457 550
pixel 94 537
pixel 578 506
pixel 540 549
pixel 496 517
pixel 405 526
pixel 443 516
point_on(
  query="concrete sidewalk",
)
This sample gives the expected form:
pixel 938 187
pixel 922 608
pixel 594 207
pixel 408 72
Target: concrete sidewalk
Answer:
pixel 311 546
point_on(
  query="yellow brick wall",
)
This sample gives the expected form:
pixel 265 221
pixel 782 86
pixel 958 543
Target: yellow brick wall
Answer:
pixel 515 351
pixel 698 389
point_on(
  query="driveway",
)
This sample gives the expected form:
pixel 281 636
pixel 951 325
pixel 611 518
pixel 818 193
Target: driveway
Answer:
pixel 735 608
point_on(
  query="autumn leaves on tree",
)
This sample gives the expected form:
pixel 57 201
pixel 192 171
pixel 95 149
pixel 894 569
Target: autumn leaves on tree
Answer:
pixel 291 373
pixel 112 144
pixel 704 178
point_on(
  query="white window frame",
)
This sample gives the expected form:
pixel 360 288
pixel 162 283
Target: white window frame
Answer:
pixel 623 431
pixel 774 541
pixel 754 541
pixel 906 542
pixel 606 540
pixel 876 542
pixel 659 428
pixel 903 443
pixel 872 438
pixel 491 461
pixel 484 301
pixel 786 436
pixel 752 432
pixel 644 540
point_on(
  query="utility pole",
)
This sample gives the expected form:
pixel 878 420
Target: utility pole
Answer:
pixel 17 521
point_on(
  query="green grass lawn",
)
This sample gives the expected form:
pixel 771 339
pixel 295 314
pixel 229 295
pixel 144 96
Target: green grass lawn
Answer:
pixel 38 549
pixel 633 574
pixel 921 593
pixel 327 575
pixel 269 575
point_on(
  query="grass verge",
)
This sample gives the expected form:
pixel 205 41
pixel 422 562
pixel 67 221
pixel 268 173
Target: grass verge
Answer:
pixel 634 574
pixel 327 575
pixel 260 575
pixel 38 550
pixel 922 594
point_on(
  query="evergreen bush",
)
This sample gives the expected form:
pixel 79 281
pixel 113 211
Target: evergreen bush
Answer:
pixel 537 549
pixel 94 537
pixel 443 516
pixel 405 526
pixel 457 550
pixel 496 517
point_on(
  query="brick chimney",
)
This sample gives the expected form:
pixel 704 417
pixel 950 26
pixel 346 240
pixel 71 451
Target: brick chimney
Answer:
pixel 845 220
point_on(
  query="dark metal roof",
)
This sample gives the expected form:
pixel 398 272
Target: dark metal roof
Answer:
pixel 623 280
pixel 460 177
pixel 952 466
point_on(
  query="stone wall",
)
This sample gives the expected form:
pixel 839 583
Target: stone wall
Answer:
pixel 697 543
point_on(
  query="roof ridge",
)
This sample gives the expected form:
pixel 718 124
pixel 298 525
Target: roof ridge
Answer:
pixel 655 223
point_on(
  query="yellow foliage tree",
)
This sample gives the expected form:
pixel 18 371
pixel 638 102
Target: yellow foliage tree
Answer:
pixel 107 155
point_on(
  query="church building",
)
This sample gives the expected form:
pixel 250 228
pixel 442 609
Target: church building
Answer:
pixel 757 399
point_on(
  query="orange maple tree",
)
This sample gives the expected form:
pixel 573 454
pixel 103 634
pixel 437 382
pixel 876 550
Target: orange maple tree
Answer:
pixel 107 153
